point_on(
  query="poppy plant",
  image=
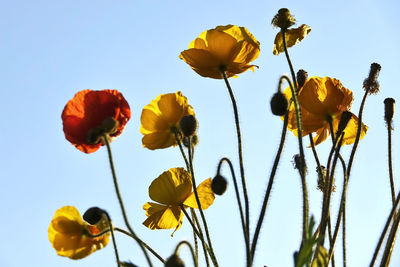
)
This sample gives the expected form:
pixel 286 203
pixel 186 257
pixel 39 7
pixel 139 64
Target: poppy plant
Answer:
pixel 323 100
pixel 70 234
pixel 226 48
pixel 160 120
pixel 173 189
pixel 293 37
pixel 87 111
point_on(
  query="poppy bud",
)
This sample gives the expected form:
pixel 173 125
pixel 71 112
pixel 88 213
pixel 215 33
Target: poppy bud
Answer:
pixel 283 19
pixel 279 104
pixel 219 184
pixel 109 125
pixel 93 215
pixel 389 109
pixel 371 84
pixel 302 76
pixel 344 120
pixel 174 261
pixel 94 135
pixel 299 163
pixel 194 140
pixel 188 125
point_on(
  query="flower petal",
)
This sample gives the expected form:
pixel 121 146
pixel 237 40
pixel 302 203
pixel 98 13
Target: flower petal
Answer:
pixel 202 62
pixel 205 193
pixel 172 187
pixel 158 140
pixel 162 217
pixel 351 131
pixel 293 37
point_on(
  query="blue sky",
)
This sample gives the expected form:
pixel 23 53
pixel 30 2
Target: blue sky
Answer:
pixel 52 49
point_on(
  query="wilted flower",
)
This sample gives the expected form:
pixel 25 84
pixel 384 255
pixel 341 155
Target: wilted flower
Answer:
pixel 323 100
pixel 160 120
pixel 70 234
pixel 172 189
pixel 293 37
pixel 84 115
pixel 226 48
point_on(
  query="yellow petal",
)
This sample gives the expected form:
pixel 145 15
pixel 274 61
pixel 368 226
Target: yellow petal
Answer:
pixel 221 45
pixel 202 62
pixel 206 196
pixel 293 37
pixel 172 187
pixel 159 140
pixel 321 135
pixel 351 131
pixel 162 217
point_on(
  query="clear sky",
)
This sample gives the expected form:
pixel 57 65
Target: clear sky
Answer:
pixel 49 50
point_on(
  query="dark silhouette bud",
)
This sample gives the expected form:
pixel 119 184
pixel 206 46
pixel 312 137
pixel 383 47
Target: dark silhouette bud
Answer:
pixel 193 139
pixel 389 110
pixel 302 76
pixel 174 261
pixel 93 215
pixel 219 184
pixel 371 84
pixel 279 104
pixel 283 19
pixel 299 163
pixel 188 125
pixel 344 120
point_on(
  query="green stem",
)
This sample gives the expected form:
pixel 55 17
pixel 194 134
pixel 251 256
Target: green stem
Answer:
pixel 191 251
pixel 112 237
pixel 239 140
pixel 390 241
pixel 141 242
pixel 269 189
pixel 203 218
pixel 389 127
pixel 196 244
pixel 121 203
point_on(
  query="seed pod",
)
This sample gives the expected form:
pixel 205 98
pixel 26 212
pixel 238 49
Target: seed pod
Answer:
pixel 219 184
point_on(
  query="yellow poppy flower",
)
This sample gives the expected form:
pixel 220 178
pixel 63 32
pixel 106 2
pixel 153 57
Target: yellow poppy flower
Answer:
pixel 68 233
pixel 172 189
pixel 229 48
pixel 321 100
pixel 293 37
pixel 160 119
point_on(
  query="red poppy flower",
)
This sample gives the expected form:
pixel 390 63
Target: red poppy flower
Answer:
pixel 87 110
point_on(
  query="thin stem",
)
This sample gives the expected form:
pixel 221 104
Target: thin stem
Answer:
pixel 385 228
pixel 246 237
pixel 112 237
pixel 178 140
pixel 121 203
pixel 140 241
pixel 389 127
pixel 239 140
pixel 196 244
pixel 269 188
pixel 344 232
pixel 203 218
pixel 390 241
pixel 199 234
pixel 319 168
pixel 190 248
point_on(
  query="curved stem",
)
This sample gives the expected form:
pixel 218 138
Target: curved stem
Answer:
pixel 190 248
pixel 140 241
pixel 269 188
pixel 121 203
pixel 239 139
pixel 246 237
pixel 203 218
pixel 112 237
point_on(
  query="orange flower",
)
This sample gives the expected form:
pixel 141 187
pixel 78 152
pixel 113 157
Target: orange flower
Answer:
pixel 87 110
pixel 68 234
pixel 229 48
pixel 321 100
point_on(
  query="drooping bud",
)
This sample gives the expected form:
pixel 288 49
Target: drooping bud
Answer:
pixel 302 76
pixel 279 104
pixel 344 120
pixel 188 125
pixel 283 19
pixel 219 184
pixel 174 261
pixel 371 84
pixel 389 110
pixel 109 125
pixel 194 140
pixel 93 215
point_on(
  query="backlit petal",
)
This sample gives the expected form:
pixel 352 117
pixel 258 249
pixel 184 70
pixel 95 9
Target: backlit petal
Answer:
pixel 293 37
pixel 206 196
pixel 162 217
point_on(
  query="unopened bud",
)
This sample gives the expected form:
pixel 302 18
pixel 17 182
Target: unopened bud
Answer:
pixel 389 109
pixel 174 261
pixel 219 184
pixel 344 120
pixel 371 84
pixel 279 104
pixel 194 140
pixel 302 76
pixel 299 163
pixel 188 125
pixel 283 19
pixel 93 215
pixel 109 125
